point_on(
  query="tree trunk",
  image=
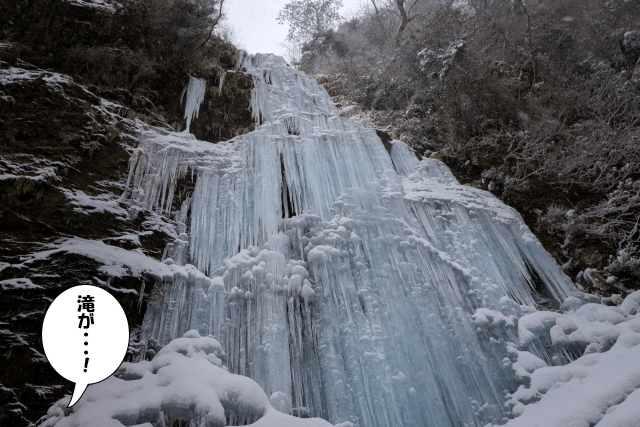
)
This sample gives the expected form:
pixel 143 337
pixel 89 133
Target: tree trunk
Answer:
pixel 404 19
pixel 213 24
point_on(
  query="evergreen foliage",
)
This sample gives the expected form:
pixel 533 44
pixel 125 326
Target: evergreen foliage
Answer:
pixel 129 45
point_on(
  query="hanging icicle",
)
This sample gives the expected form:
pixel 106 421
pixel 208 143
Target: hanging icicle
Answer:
pixel 344 280
pixel 195 96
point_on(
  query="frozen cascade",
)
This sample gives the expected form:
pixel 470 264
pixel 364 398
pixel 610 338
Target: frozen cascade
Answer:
pixel 345 280
pixel 195 95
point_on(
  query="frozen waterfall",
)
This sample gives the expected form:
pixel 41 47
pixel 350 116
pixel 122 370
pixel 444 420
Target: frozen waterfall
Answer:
pixel 350 283
pixel 340 275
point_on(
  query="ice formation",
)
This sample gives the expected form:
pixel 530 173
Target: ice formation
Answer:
pixel 195 95
pixel 351 283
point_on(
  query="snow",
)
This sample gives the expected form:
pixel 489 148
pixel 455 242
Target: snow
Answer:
pixel 42 176
pixel 439 63
pixel 21 283
pixel 131 238
pixel 599 388
pixel 576 368
pixel 116 261
pixel 592 325
pixel 185 380
pixel 86 204
pixel 625 414
pixel 579 394
pixel 55 81
pixel 13 75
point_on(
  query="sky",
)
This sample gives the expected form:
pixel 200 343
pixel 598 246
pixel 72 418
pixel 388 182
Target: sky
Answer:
pixel 257 29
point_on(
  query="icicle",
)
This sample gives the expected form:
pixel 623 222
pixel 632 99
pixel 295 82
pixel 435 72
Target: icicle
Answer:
pixel 195 96
pixel 344 280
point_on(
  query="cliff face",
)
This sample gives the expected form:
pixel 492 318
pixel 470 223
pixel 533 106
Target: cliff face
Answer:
pixel 66 137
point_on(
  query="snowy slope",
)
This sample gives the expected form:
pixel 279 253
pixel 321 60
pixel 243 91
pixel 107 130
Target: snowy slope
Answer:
pixel 349 283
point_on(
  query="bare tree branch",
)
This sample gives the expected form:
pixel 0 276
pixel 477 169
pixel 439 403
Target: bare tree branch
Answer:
pixel 375 6
pixel 214 23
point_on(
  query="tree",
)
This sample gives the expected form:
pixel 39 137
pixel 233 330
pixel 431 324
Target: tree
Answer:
pixel 397 15
pixel 215 19
pixel 396 7
pixel 308 18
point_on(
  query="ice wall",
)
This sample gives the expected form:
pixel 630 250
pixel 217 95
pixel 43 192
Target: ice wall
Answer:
pixel 345 280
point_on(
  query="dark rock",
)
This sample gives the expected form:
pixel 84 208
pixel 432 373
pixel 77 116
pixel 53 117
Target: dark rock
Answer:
pixel 631 44
pixel 56 138
pixel 224 113
pixel 386 139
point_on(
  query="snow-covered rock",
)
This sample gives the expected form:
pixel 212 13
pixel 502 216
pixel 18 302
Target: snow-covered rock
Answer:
pixel 185 381
pixel 600 388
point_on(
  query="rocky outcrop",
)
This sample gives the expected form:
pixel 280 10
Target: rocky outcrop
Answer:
pixel 64 156
pixel 63 159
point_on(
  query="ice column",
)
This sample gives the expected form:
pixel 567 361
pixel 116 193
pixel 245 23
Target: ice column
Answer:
pixel 340 277
pixel 195 96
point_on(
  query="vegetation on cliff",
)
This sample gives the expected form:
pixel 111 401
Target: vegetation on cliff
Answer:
pixel 538 102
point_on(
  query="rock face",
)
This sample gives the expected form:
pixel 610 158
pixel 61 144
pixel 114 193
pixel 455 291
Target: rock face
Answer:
pixel 224 113
pixel 64 154
pixel 631 44
pixel 79 82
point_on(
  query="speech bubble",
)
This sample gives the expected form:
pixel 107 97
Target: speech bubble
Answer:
pixel 85 335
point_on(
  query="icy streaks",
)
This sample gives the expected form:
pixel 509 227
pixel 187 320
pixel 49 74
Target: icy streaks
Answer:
pixel 341 277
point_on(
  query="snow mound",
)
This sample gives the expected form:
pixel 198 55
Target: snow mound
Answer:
pixel 185 381
pixel 601 387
